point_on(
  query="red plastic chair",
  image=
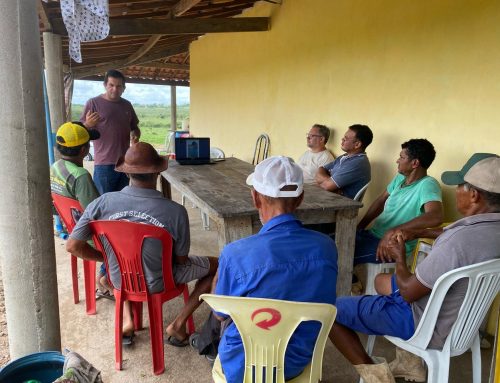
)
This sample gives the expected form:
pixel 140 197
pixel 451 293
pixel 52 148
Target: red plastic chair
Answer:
pixel 126 239
pixel 68 209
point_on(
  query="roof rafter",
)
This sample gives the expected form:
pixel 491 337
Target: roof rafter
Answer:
pixel 100 68
pixel 124 27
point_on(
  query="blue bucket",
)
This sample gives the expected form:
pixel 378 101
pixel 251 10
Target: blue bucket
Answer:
pixel 43 367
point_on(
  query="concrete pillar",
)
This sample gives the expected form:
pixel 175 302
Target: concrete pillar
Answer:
pixel 173 108
pixel 54 76
pixel 26 238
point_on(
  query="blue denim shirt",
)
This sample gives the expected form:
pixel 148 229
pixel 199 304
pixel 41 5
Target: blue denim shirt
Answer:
pixel 283 261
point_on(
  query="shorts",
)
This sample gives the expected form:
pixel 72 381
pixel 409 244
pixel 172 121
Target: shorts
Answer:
pixel 194 268
pixel 377 314
pixel 365 248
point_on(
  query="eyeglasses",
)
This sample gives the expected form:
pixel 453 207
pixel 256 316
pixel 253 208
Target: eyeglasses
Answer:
pixel 312 135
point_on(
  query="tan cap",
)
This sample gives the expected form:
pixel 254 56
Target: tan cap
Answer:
pixel 485 175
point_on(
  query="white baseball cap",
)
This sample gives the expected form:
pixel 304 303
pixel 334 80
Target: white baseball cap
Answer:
pixel 273 174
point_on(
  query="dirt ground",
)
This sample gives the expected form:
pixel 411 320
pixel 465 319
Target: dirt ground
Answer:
pixel 93 337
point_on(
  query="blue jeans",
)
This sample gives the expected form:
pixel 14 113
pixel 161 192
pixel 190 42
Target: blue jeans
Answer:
pixel 107 180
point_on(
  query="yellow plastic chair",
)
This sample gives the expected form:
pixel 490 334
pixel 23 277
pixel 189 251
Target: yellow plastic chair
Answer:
pixel 422 249
pixel 265 345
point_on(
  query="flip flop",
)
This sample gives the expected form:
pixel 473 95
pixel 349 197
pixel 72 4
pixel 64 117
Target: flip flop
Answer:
pixel 128 340
pixel 173 341
pixel 104 294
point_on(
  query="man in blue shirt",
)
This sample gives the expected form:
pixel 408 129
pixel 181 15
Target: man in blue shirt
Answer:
pixel 351 171
pixel 283 261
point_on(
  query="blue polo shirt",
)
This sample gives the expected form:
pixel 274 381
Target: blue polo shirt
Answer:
pixel 283 261
pixel 350 173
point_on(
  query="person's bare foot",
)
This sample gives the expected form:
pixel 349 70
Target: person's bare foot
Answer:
pixel 104 284
pixel 178 333
pixel 128 329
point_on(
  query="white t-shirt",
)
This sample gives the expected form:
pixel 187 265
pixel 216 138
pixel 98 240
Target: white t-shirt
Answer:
pixel 310 162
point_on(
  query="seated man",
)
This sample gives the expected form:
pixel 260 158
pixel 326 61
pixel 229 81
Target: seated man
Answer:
pixel 351 171
pixel 412 200
pixel 141 202
pixel 68 177
pixel 283 261
pixel 317 155
pixel 478 199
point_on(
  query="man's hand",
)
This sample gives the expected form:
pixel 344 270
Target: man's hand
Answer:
pixel 134 136
pixel 395 248
pixel 383 253
pixel 91 119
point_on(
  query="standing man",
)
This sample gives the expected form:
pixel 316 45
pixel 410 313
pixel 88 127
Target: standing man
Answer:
pixel 351 171
pixel 115 119
pixel 317 155
pixel 283 261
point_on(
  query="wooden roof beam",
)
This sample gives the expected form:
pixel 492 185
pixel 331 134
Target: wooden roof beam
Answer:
pixel 101 68
pixel 131 27
pixel 42 15
pixel 183 6
pixel 134 80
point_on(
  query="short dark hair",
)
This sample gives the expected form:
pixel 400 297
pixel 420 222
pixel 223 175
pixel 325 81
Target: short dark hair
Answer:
pixel 420 149
pixel 363 134
pixel 492 199
pixel 143 177
pixel 115 74
pixel 70 151
pixel 323 130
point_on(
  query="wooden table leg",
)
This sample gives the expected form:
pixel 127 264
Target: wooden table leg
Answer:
pixel 165 188
pixel 233 229
pixel 345 234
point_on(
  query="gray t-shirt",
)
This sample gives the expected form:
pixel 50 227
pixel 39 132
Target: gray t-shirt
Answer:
pixel 350 173
pixel 467 241
pixel 145 206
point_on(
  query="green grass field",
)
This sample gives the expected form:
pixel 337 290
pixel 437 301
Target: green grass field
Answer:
pixel 154 121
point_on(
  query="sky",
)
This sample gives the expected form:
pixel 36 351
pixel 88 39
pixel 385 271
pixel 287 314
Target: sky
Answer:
pixel 135 93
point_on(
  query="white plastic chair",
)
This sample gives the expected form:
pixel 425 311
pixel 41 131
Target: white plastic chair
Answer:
pixel 423 247
pixel 216 153
pixel 265 346
pixel 484 284
pixel 361 193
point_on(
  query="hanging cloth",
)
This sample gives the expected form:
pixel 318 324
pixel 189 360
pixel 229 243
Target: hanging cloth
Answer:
pixel 85 20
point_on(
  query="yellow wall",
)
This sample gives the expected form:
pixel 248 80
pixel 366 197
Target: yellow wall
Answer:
pixel 408 69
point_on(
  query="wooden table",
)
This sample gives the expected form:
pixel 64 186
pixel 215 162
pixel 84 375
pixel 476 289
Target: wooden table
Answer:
pixel 220 190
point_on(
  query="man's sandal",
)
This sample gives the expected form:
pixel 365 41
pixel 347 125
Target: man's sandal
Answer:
pixel 104 294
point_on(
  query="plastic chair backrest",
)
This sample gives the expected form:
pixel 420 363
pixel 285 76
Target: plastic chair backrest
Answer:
pixel 216 153
pixel 483 285
pixel 69 210
pixel 266 326
pixel 126 240
pixel 261 150
pixel 361 193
